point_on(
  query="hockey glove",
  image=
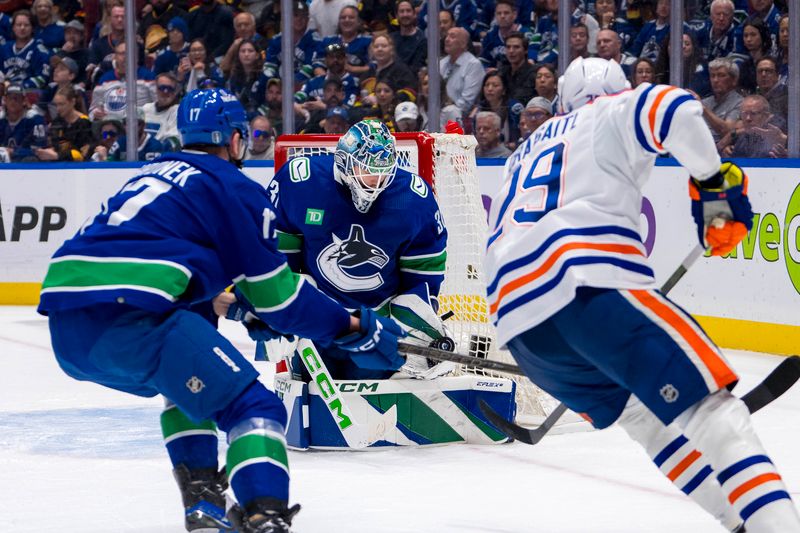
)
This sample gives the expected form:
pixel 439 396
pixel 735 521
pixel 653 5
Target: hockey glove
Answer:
pixel 721 209
pixel 374 346
pixel 243 311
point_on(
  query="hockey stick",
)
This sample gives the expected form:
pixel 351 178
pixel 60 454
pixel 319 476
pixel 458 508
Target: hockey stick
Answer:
pixel 774 385
pixel 553 417
pixel 357 435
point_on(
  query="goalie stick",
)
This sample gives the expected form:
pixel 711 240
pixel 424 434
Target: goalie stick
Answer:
pixel 774 385
pixel 357 434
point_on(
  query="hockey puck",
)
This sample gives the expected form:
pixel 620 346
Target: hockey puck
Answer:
pixel 444 343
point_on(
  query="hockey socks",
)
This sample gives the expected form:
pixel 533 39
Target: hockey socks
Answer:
pixel 678 460
pixel 189 443
pixel 257 463
pixel 720 426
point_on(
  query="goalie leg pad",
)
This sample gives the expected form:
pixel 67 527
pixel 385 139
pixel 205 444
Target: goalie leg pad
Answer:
pixel 720 426
pixel 679 461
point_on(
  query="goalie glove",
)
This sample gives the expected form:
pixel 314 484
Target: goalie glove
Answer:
pixel 721 209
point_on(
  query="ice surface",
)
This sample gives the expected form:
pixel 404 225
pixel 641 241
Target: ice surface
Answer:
pixel 75 457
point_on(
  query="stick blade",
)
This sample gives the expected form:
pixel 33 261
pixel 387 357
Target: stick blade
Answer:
pixel 781 379
pixel 509 429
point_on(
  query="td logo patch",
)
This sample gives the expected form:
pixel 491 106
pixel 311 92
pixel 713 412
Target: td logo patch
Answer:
pixel 314 216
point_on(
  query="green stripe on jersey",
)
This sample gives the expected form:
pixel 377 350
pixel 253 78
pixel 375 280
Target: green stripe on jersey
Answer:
pixel 289 242
pixel 81 273
pixel 272 291
pixel 429 264
pixel 174 423
pixel 256 447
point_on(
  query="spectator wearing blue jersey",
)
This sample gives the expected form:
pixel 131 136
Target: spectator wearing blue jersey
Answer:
pixel 465 15
pixel 719 37
pixel 306 47
pixel 314 110
pixel 65 72
pixel 335 61
pixel 355 41
pixel 5 29
pixel 25 60
pixel 169 57
pixel 651 37
pixel 410 42
pixel 609 19
pixel 518 74
pixel 49 30
pixel 22 130
pixel 493 49
pixel 337 121
pixel 147 146
pixel 770 14
pixel 75 48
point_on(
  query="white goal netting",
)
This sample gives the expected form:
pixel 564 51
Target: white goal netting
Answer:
pixel 455 179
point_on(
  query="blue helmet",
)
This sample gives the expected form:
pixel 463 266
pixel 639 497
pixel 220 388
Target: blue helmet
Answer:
pixel 210 116
pixel 366 161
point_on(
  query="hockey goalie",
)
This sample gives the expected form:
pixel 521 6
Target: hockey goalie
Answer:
pixel 371 236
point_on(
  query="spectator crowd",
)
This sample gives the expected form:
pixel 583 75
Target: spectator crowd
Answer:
pixel 63 68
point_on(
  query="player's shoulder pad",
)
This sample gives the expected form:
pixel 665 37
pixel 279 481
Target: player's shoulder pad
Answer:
pixel 408 183
pixel 306 171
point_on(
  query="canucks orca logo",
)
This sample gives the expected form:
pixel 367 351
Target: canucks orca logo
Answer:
pixel 346 263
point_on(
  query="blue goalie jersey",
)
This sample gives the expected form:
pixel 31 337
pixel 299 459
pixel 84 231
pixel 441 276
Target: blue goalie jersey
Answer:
pixel 178 233
pixel 397 247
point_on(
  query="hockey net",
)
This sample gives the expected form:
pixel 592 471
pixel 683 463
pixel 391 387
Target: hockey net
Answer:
pixel 447 162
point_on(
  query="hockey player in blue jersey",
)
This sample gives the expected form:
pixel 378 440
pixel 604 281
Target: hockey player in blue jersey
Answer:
pixel 571 290
pixel 118 296
pixel 367 233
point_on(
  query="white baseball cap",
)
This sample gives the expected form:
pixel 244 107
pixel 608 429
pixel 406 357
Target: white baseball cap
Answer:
pixel 406 110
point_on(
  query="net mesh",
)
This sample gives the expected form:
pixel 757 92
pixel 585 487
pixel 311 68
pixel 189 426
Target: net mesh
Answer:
pixel 455 181
pixel 458 193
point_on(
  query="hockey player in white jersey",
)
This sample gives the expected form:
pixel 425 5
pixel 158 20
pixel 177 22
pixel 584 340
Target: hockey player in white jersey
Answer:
pixel 571 290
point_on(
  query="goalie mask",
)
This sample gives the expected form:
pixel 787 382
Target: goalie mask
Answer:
pixel 586 79
pixel 366 161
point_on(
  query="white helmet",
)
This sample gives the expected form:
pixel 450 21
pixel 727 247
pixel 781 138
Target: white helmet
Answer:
pixel 586 79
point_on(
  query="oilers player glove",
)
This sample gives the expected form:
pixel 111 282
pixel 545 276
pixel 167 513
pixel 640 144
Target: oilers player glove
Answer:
pixel 374 346
pixel 721 208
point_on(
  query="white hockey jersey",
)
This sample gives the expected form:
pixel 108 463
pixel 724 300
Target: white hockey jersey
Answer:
pixel 568 212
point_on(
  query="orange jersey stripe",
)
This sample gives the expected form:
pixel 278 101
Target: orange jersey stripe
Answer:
pixel 652 115
pixel 681 467
pixel 719 369
pixel 548 264
pixel 753 483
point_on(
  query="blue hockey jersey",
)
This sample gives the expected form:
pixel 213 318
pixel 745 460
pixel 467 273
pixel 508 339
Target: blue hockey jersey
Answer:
pixel 24 136
pixel 397 247
pixel 178 233
pixel 52 36
pixel 356 51
pixel 493 46
pixel 315 87
pixel 29 66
